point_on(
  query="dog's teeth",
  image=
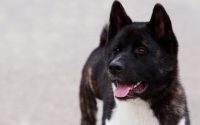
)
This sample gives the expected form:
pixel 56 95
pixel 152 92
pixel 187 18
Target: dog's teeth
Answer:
pixel 137 84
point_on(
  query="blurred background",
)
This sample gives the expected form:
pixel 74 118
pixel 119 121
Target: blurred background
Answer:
pixel 44 44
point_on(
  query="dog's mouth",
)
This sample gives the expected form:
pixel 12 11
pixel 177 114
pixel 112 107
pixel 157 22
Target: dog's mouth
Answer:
pixel 127 90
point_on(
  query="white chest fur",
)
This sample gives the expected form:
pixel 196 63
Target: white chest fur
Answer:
pixel 132 112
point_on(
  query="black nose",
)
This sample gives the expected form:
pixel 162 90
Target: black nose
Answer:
pixel 115 67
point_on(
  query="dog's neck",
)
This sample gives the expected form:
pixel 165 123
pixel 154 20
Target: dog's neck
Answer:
pixel 165 93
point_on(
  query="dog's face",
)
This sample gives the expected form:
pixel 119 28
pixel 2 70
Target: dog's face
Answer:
pixel 141 56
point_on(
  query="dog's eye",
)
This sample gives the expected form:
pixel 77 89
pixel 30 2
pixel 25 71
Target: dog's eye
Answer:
pixel 141 50
pixel 116 50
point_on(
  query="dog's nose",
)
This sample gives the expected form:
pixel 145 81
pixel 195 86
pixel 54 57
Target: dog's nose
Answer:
pixel 115 67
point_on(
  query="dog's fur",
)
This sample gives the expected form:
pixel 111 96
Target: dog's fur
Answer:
pixel 164 101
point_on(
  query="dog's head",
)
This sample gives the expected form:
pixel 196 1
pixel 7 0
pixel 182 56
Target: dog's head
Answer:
pixel 141 57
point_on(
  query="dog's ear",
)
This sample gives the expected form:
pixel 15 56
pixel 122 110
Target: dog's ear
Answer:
pixel 160 22
pixel 118 19
pixel 161 28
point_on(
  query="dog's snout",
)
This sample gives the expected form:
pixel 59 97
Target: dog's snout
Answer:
pixel 115 67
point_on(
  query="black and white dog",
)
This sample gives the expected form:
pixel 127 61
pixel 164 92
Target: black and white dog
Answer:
pixel 134 71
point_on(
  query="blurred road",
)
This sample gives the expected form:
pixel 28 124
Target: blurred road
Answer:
pixel 44 44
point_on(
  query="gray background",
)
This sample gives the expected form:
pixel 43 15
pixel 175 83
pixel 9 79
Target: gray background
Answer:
pixel 44 44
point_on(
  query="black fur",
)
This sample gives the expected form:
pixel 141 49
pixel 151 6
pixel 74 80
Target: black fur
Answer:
pixel 144 51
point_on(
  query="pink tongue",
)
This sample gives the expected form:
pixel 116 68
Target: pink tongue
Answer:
pixel 122 90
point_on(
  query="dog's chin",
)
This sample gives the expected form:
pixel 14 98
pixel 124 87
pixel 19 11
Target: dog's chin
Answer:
pixel 129 90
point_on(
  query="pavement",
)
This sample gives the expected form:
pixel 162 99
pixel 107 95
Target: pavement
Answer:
pixel 44 44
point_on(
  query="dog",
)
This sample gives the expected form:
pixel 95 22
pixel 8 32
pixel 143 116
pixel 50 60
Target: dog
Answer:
pixel 134 71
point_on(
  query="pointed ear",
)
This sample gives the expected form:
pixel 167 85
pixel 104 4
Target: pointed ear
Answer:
pixel 161 28
pixel 118 19
pixel 160 22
